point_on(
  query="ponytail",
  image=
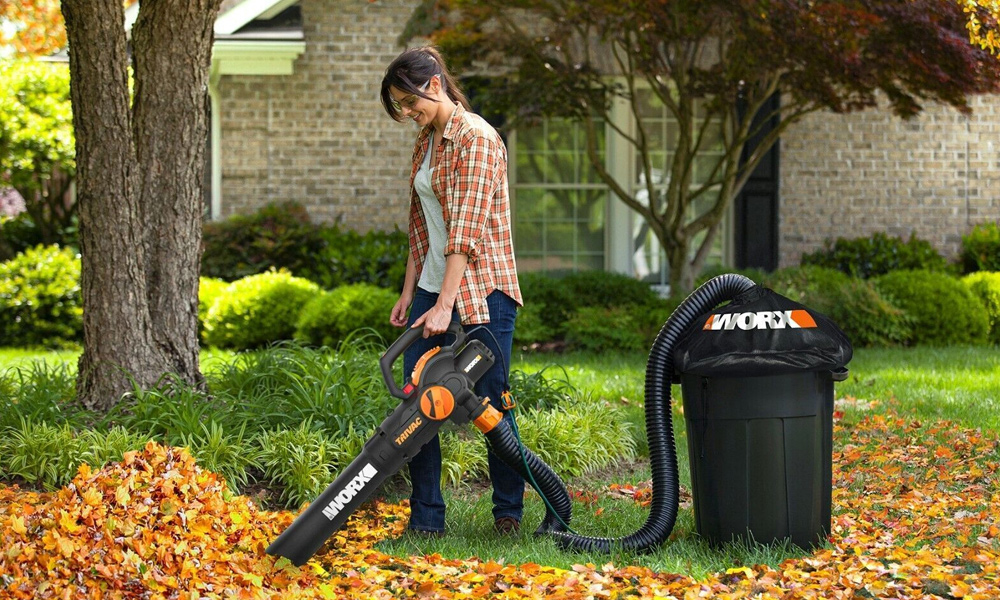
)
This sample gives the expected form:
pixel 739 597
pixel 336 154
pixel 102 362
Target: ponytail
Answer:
pixel 414 68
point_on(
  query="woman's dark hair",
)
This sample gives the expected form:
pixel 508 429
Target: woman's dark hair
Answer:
pixel 412 69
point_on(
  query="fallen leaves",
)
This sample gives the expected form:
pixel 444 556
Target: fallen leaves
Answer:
pixel 915 516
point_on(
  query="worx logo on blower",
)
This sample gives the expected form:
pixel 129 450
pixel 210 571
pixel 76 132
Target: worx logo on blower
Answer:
pixel 765 319
pixel 350 491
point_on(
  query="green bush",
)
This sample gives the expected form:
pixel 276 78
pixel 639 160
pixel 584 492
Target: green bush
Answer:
pixel 41 393
pixel 540 391
pixel 40 298
pixel 331 317
pixel 376 257
pixel 296 462
pixel 209 290
pixel 945 312
pixel 463 459
pixel 17 234
pixel 278 236
pixel 877 255
pixel 547 306
pixel 228 454
pixel 867 317
pixel 981 248
pixel 601 329
pixel 571 441
pixel 282 236
pixel 606 289
pixel 985 285
pixel 257 310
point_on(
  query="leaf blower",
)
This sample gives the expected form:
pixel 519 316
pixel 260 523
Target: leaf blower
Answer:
pixel 441 388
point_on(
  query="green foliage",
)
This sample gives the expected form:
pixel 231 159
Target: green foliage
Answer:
pixel 282 236
pixel 209 290
pixel 17 234
pixel 37 148
pixel 606 289
pixel 40 453
pixel 540 392
pixel 278 236
pixel 40 393
pixel 257 310
pixel 981 248
pixel 877 255
pixel 376 257
pixel 171 412
pixel 228 454
pixel 296 461
pixel 463 459
pixel 547 306
pixel 601 329
pixel 944 310
pixel 331 317
pixel 40 298
pixel 572 441
pixel 985 285
pixel 339 392
pixel 867 317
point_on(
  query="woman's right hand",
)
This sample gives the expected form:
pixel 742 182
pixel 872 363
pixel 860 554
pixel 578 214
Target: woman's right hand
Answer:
pixel 398 316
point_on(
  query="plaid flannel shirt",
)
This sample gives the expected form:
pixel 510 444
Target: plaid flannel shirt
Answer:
pixel 470 180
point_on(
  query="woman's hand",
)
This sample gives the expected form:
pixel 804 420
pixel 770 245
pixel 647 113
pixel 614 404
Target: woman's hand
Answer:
pixel 398 316
pixel 435 321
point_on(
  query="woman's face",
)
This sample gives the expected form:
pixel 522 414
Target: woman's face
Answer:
pixel 412 106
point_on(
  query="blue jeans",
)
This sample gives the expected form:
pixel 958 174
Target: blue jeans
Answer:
pixel 426 503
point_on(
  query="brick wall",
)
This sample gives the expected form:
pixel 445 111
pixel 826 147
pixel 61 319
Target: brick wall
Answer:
pixel 320 136
pixel 853 175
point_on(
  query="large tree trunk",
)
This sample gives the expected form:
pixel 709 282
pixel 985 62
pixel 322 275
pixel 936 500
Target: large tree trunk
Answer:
pixel 170 129
pixel 139 189
pixel 116 323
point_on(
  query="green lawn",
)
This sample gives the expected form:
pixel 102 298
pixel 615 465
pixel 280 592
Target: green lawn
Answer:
pixel 960 384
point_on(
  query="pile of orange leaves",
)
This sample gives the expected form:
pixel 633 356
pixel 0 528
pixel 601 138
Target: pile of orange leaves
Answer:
pixel 916 515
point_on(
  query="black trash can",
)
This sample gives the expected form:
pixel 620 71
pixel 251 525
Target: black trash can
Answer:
pixel 757 383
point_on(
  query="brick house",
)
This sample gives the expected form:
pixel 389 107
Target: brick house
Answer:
pixel 295 116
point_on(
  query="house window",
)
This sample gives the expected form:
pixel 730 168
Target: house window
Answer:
pixel 648 259
pixel 565 217
pixel 560 206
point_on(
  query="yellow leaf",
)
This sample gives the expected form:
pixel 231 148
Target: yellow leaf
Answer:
pixel 66 547
pixel 92 497
pixel 68 523
pixel 122 496
pixel 744 570
pixel 17 524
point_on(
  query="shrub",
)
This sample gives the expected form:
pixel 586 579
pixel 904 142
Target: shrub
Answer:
pixel 538 391
pixel 571 441
pixel 227 453
pixel 331 317
pixel 944 311
pixel 278 236
pixel 985 285
pixel 606 289
pixel 209 290
pixel 258 310
pixel 17 234
pixel 981 248
pixel 42 454
pixel 40 298
pixel 877 255
pixel 601 329
pixel 376 257
pixel 867 317
pixel 296 461
pixel 41 393
pixel 547 306
pixel 463 458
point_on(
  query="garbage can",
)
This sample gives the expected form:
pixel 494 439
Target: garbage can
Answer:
pixel 757 381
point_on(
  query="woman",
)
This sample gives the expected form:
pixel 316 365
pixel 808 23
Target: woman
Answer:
pixel 461 261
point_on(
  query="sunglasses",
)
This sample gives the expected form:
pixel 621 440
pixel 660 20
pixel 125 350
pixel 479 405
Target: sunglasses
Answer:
pixel 409 101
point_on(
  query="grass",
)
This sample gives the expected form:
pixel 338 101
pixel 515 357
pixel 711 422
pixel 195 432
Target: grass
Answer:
pixel 961 384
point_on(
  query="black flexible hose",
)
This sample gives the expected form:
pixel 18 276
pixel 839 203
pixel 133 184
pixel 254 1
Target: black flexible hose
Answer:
pixel 505 445
pixel 659 422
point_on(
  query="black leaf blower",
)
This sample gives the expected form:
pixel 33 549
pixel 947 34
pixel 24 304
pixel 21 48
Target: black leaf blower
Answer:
pixel 440 388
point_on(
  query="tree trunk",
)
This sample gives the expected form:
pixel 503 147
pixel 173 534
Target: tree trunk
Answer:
pixel 116 322
pixel 140 189
pixel 170 128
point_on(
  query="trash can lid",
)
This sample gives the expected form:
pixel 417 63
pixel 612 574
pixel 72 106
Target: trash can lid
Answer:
pixel 761 332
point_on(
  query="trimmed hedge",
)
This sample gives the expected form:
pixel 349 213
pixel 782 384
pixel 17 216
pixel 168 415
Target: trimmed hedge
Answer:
pixel 257 310
pixel 945 312
pixel 40 298
pixel 985 285
pixel 331 317
pixel 981 248
pixel 877 255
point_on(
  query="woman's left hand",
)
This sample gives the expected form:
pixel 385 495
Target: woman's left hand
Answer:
pixel 435 320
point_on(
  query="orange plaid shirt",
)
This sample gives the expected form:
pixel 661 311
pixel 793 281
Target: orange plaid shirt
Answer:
pixel 470 180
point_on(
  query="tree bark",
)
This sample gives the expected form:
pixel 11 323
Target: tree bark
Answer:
pixel 140 175
pixel 116 322
pixel 170 128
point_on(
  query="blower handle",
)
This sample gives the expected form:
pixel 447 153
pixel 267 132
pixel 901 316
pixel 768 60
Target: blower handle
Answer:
pixel 403 342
